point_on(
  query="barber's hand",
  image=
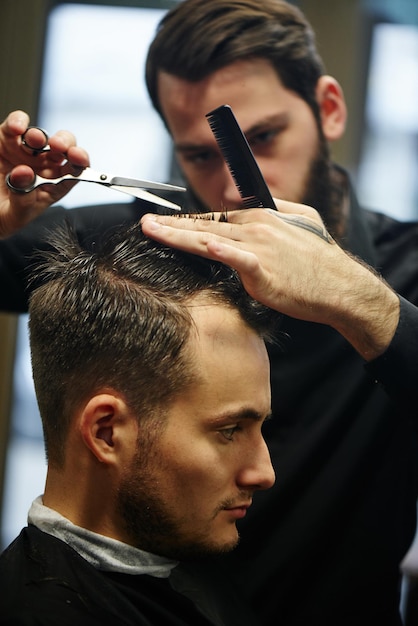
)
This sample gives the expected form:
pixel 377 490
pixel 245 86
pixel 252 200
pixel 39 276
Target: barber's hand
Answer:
pixel 288 261
pixel 18 209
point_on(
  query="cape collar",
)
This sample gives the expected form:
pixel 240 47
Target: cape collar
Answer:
pixel 102 552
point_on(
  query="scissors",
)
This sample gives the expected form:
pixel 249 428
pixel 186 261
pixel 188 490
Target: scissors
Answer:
pixel 131 186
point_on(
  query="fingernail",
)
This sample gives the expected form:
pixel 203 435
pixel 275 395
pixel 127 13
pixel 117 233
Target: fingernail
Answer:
pixel 152 222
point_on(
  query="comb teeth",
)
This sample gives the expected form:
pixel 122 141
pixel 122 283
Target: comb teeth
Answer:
pixel 240 159
pixel 251 202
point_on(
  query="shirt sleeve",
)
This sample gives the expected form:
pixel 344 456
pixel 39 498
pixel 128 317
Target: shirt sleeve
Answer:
pixel 397 368
pixel 18 252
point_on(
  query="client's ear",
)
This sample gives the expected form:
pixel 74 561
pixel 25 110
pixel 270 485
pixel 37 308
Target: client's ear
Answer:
pixel 107 426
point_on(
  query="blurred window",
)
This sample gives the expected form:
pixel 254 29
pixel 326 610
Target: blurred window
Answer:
pixel 387 176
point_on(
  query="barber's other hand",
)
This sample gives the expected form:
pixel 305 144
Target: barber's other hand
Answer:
pixel 16 209
pixel 287 260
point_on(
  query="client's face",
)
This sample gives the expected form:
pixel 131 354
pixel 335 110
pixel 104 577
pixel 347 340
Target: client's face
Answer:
pixel 184 492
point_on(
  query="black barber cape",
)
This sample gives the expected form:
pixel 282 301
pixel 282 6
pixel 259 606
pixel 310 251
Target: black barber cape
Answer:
pixel 44 582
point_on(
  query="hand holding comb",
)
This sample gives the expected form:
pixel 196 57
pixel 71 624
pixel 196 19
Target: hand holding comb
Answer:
pixel 239 158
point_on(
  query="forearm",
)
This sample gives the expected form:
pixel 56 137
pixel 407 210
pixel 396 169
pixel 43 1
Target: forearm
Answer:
pixel 16 258
pixel 365 311
pixel 18 252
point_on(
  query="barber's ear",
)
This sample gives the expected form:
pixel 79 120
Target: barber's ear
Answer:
pixel 332 107
pixel 107 427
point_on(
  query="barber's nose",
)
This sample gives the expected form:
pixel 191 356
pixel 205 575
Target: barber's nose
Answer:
pixel 257 471
pixel 231 198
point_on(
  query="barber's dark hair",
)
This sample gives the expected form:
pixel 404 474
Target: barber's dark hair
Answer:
pixel 198 37
pixel 117 317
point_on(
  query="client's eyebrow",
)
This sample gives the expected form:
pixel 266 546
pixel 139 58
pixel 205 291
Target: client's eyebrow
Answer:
pixel 240 414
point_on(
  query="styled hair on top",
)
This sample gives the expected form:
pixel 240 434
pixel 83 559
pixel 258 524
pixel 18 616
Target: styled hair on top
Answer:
pixel 198 37
pixel 117 317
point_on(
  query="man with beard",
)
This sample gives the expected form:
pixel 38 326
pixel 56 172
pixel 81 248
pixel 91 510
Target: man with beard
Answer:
pixel 322 547
pixel 152 379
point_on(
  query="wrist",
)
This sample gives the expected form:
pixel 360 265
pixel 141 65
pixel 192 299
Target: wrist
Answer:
pixel 367 313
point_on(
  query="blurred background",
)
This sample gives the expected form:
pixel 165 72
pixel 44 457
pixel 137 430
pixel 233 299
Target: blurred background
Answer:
pixel 79 65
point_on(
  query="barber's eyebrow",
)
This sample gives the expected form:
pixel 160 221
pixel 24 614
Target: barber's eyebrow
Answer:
pixel 272 121
pixel 191 147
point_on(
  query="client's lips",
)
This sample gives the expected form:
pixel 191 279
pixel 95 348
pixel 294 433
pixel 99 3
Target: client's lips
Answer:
pixel 238 510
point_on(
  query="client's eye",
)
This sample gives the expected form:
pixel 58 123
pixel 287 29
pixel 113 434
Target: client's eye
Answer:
pixel 229 433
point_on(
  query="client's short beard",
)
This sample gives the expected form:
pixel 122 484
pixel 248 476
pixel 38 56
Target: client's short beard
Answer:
pixel 149 524
pixel 151 528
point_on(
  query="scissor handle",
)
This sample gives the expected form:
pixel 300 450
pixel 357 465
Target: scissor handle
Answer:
pixel 90 176
pixel 40 180
pixel 35 151
pixel 26 189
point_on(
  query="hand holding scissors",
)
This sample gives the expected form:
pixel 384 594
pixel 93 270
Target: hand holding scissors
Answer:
pixel 22 152
pixel 131 186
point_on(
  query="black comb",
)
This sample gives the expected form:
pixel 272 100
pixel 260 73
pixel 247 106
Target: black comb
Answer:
pixel 239 158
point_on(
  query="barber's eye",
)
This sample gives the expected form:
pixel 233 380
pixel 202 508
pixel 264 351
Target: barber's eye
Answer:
pixel 263 138
pixel 198 158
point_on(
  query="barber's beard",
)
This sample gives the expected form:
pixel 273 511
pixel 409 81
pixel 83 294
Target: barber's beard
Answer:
pixel 322 192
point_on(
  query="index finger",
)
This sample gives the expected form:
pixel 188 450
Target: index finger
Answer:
pixel 15 123
pixel 188 234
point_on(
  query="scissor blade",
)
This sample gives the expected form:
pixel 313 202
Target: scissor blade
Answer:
pixel 145 184
pixel 148 197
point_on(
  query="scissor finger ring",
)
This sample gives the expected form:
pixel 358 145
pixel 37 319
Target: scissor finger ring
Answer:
pixel 44 148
